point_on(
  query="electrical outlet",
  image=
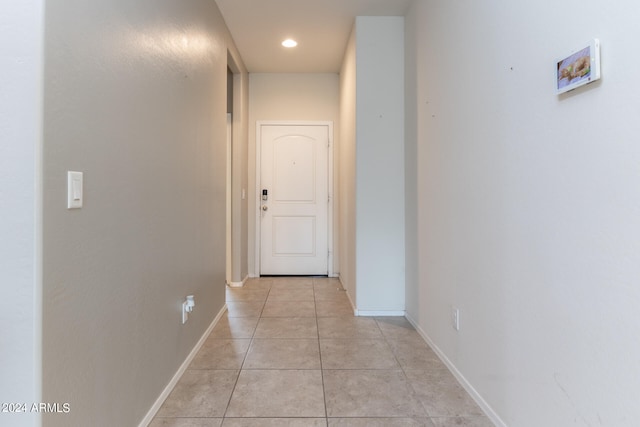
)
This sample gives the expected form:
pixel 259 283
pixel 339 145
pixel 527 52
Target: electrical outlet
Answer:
pixel 185 313
pixel 187 307
pixel 455 318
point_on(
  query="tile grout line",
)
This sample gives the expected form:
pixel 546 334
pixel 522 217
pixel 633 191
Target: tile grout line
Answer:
pixel 414 394
pixel 324 394
pixel 226 409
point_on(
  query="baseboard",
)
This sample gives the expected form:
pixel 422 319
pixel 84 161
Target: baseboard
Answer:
pixel 486 408
pixel 370 313
pixel 353 306
pixel 169 388
pixel 239 284
pixel 380 313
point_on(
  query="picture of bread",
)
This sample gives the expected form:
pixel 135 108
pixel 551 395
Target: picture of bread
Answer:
pixel 579 68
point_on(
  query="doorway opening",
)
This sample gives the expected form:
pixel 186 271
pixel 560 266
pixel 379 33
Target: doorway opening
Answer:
pixel 229 175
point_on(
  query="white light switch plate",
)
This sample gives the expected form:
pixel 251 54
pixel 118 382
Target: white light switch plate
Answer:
pixel 74 190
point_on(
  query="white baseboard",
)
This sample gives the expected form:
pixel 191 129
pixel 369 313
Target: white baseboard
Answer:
pixel 486 408
pixel 353 306
pixel 379 313
pixel 169 388
pixel 239 284
pixel 370 313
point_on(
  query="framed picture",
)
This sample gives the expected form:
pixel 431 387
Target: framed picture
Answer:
pixel 579 68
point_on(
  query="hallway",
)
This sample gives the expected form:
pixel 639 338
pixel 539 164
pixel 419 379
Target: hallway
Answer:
pixel 289 352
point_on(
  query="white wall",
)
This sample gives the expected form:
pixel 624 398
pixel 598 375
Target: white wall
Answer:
pixel 347 169
pixel 528 205
pixel 312 97
pixel 135 97
pixel 240 129
pixel 379 165
pixel 412 246
pixel 21 38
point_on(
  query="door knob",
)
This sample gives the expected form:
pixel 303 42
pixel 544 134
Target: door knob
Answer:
pixel 265 208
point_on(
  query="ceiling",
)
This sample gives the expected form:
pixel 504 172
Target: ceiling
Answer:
pixel 321 28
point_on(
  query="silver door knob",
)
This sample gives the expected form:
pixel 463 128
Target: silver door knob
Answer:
pixel 265 208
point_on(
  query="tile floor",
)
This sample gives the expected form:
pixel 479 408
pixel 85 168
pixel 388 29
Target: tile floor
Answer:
pixel 289 352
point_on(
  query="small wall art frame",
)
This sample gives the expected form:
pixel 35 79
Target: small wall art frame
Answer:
pixel 580 67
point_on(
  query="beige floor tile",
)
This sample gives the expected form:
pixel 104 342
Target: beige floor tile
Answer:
pixel 462 422
pixel 244 308
pixel 283 354
pixel 380 422
pixel 258 283
pixel 378 372
pixel 200 394
pixel 328 282
pixel 221 354
pixel 348 327
pixel 333 309
pixel 379 393
pixel 285 327
pixel 277 393
pixel 322 294
pixel 235 327
pixel 275 422
pixel 292 283
pixel 303 294
pixel 246 294
pixel 289 309
pixel 441 394
pixel 396 328
pixel 415 354
pixel 186 422
pixel 354 353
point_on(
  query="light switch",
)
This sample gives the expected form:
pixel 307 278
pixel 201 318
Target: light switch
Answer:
pixel 74 190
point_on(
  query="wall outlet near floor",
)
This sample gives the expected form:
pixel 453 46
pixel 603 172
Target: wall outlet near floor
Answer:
pixel 187 307
pixel 455 318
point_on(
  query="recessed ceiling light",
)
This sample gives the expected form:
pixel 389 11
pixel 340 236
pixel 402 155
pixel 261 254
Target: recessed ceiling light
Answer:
pixel 289 43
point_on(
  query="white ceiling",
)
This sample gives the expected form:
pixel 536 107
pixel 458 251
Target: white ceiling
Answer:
pixel 321 28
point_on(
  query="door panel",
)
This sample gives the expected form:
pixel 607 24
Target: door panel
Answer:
pixel 294 169
pixel 294 236
pixel 294 164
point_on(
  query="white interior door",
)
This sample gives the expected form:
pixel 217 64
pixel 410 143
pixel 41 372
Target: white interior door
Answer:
pixel 294 199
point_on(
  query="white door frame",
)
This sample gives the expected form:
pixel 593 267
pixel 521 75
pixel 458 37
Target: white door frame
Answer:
pixel 229 253
pixel 258 192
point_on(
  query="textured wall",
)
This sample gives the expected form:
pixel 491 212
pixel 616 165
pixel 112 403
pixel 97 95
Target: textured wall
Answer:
pixel 240 178
pixel 379 163
pixel 135 97
pixel 347 169
pixel 372 166
pixel 528 206
pixel 20 220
